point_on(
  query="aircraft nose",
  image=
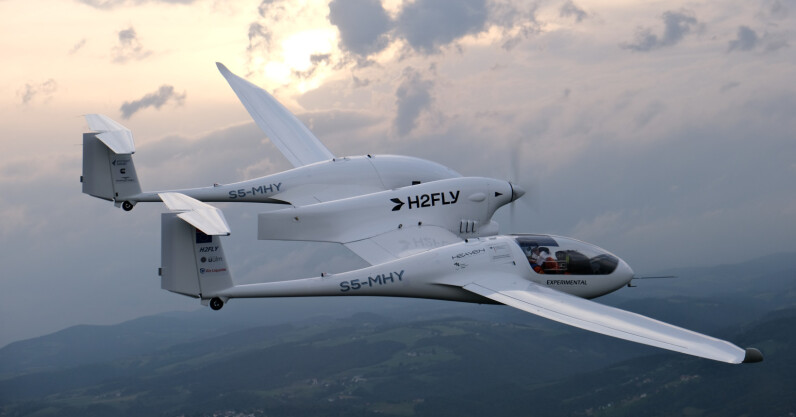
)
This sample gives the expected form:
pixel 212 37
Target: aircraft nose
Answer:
pixel 625 271
pixel 516 191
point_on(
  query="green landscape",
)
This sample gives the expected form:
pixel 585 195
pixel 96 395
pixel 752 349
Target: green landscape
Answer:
pixel 422 358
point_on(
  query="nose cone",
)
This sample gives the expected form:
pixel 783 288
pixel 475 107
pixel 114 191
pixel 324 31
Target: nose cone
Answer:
pixel 624 272
pixel 516 191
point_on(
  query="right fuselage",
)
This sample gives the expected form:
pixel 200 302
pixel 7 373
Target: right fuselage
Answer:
pixel 440 273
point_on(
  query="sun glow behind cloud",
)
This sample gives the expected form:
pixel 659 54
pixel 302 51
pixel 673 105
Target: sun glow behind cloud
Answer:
pixel 297 52
pixel 293 53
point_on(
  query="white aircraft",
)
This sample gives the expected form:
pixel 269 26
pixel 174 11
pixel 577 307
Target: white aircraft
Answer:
pixel 426 232
pixel 413 238
pixel 317 176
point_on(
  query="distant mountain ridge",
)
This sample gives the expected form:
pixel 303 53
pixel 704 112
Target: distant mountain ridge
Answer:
pixel 417 357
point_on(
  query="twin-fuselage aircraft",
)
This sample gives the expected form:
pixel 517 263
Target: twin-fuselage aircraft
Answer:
pixel 425 231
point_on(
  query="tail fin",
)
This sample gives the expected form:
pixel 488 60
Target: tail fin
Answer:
pixel 192 258
pixel 108 170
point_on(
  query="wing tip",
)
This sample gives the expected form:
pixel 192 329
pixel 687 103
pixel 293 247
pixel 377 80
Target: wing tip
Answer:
pixel 752 356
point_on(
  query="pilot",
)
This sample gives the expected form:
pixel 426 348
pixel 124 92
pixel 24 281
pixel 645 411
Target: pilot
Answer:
pixel 536 259
pixel 548 262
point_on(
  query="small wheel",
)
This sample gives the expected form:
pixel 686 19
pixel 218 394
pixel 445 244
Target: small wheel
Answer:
pixel 127 206
pixel 216 303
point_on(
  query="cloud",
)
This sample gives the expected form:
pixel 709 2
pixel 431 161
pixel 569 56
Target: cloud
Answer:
pixel 652 110
pixel 429 24
pixel 77 46
pixel 569 9
pixel 112 4
pixel 676 26
pixel 363 25
pixel 729 86
pixel 776 9
pixel 129 47
pixel 31 91
pixel 157 99
pixel 425 25
pixel 748 40
pixel 412 97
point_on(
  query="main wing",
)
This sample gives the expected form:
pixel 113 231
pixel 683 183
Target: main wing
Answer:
pixel 287 132
pixel 574 311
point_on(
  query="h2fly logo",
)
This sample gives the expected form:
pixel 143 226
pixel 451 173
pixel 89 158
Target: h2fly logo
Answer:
pixel 426 200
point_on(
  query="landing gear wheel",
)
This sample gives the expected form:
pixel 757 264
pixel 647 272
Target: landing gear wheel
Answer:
pixel 127 206
pixel 216 303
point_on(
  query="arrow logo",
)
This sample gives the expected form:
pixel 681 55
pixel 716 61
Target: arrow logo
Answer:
pixel 398 204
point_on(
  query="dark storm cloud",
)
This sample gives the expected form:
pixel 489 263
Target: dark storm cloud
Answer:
pixel 112 4
pixel 31 91
pixel 428 25
pixel 129 47
pixel 676 26
pixel 363 25
pixel 569 9
pixel 412 97
pixel 157 99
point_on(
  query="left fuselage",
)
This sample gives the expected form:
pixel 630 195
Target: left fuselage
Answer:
pixel 440 273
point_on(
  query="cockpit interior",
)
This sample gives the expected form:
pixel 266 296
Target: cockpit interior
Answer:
pixel 565 256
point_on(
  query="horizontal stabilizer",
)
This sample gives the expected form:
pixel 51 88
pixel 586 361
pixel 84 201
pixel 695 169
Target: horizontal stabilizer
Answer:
pixel 204 217
pixel 287 132
pixel 115 136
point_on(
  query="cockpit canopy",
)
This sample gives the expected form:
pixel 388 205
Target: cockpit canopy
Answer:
pixel 565 256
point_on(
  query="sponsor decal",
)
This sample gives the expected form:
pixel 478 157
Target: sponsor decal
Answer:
pixel 426 200
pixel 211 270
pixel 253 191
pixel 566 282
pixel 381 279
pixel 469 253
pixel 210 259
pixel 205 249
pixel 123 171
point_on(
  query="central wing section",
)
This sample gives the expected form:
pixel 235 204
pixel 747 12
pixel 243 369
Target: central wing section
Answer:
pixel 564 308
pixel 387 225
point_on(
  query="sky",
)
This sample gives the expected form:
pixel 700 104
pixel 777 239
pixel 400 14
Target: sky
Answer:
pixel 662 131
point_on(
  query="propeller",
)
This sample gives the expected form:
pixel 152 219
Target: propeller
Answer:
pixel 519 189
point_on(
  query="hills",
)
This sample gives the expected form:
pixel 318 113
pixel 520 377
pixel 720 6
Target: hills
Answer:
pixel 418 357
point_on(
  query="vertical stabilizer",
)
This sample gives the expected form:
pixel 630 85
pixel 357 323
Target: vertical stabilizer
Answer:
pixel 108 170
pixel 192 262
